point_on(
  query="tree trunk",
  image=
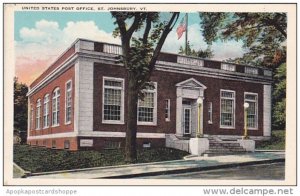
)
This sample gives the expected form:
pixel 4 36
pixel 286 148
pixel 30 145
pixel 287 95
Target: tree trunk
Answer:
pixel 131 126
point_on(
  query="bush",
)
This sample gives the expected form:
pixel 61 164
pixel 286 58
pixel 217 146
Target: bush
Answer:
pixel 277 142
pixel 38 159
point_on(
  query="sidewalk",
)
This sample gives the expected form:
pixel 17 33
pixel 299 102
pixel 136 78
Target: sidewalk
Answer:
pixel 190 164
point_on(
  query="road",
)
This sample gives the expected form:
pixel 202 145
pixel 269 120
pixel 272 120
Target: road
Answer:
pixel 273 171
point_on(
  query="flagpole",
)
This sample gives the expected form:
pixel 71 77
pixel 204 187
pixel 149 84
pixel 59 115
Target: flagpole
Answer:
pixel 186 34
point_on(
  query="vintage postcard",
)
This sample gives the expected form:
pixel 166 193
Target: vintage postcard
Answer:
pixel 150 94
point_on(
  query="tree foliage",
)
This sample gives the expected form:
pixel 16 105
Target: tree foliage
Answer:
pixel 264 38
pixel 279 93
pixel 263 34
pixel 207 53
pixel 20 106
pixel 142 36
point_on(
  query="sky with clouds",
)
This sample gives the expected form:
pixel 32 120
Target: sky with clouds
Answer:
pixel 40 37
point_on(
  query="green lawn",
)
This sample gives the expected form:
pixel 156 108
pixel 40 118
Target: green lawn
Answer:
pixel 36 159
pixel 277 142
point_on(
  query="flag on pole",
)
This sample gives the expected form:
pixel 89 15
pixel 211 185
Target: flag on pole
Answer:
pixel 181 27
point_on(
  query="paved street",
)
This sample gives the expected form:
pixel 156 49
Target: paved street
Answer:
pixel 273 171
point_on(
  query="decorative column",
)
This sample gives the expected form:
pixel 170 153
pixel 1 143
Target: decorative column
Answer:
pixel 200 127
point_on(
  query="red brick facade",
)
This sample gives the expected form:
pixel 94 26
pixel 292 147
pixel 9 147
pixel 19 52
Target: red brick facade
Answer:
pixel 89 72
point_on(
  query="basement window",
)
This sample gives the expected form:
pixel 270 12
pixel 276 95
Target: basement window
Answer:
pixel 53 144
pixel 112 144
pixel 67 144
pixel 147 145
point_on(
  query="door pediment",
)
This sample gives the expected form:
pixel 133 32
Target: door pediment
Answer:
pixel 191 83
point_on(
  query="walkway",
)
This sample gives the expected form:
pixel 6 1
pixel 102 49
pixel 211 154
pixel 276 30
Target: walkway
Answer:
pixel 168 167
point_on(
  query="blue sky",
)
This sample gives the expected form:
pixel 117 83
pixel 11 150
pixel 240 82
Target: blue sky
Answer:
pixel 42 36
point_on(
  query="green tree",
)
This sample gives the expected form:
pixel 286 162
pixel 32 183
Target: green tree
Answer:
pixel 279 93
pixel 20 107
pixel 207 53
pixel 264 36
pixel 142 36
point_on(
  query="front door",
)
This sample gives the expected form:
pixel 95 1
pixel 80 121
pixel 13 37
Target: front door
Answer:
pixel 186 119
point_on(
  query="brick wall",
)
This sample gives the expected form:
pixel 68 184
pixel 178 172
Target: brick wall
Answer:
pixel 167 90
pixel 59 143
pixel 48 89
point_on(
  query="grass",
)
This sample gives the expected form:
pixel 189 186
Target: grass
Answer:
pixel 277 142
pixel 36 159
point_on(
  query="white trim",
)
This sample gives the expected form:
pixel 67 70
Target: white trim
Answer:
pixel 228 67
pixel 86 95
pixel 38 115
pixel 97 134
pixel 76 98
pixel 234 106
pixel 267 110
pixel 169 110
pixel 154 122
pixel 57 109
pixel 66 91
pixel 48 111
pixel 210 120
pixel 256 109
pixel 183 83
pixel 122 80
pixel 215 73
pixel 29 106
pixel 161 65
pixel 54 74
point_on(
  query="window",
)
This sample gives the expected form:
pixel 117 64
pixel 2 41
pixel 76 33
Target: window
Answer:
pixel 228 67
pixel 53 144
pixel 55 107
pixel 44 142
pixel 31 117
pixel 147 106
pixel 68 102
pixel 67 144
pixel 251 70
pixel 251 99
pixel 46 111
pixel 227 109
pixel 210 112
pixel 167 109
pixel 113 100
pixel 38 115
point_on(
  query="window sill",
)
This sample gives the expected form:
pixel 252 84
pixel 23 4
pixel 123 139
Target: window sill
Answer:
pixel 46 127
pixel 55 125
pixel 227 127
pixel 147 123
pixel 210 122
pixel 68 123
pixel 254 129
pixel 113 122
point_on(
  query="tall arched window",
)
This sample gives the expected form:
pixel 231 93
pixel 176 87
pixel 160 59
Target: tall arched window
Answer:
pixel 38 114
pixel 31 117
pixel 55 107
pixel 46 111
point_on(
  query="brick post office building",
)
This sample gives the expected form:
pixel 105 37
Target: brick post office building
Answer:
pixel 80 101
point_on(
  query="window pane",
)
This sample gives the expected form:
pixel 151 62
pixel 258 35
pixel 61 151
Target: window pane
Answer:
pixel 146 107
pixel 112 83
pixel 252 110
pixel 112 100
pixel 227 108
